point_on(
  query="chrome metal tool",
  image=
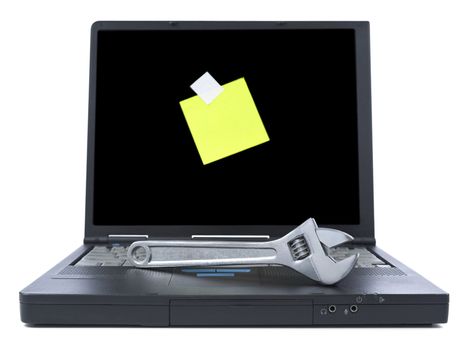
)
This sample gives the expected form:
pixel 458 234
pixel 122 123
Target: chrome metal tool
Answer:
pixel 304 249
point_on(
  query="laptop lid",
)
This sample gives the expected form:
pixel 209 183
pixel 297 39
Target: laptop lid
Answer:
pixel 286 136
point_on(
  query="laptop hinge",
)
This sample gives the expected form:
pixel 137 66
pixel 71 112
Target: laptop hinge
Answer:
pixel 130 238
pixel 115 239
pixel 364 240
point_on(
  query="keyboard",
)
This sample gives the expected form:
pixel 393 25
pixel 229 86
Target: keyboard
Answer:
pixel 116 256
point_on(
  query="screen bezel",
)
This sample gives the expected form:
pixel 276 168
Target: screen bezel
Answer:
pixel 363 231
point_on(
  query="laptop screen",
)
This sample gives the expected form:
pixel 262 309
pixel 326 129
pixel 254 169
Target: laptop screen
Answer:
pixel 269 137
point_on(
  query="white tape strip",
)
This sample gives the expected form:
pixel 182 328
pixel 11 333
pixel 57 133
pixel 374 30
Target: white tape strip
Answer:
pixel 207 88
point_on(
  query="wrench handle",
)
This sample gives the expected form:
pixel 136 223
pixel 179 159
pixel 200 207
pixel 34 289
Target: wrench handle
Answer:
pixel 199 253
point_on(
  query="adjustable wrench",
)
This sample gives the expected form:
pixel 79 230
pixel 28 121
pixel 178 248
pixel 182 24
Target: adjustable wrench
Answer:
pixel 304 249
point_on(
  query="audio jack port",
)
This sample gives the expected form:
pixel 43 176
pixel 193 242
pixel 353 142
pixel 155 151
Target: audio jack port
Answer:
pixel 353 308
pixel 332 308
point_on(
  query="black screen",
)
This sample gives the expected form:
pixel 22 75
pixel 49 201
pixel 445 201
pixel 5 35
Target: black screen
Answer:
pixel 147 168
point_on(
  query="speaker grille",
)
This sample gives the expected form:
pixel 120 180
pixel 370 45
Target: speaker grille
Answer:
pixel 378 271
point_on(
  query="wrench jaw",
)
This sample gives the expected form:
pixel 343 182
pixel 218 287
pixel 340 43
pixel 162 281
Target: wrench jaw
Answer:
pixel 330 272
pixel 324 269
pixel 332 238
pixel 309 245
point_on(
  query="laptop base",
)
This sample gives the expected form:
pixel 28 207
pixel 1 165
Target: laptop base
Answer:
pixel 268 296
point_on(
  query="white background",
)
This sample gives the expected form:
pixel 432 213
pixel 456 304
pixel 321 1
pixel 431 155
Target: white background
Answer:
pixel 419 77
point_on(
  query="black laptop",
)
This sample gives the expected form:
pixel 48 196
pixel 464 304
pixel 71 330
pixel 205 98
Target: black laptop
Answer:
pixel 308 85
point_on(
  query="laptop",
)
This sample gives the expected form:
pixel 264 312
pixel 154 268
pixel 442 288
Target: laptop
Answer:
pixel 303 90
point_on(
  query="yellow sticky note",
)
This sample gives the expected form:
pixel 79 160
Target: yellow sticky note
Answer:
pixel 228 125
